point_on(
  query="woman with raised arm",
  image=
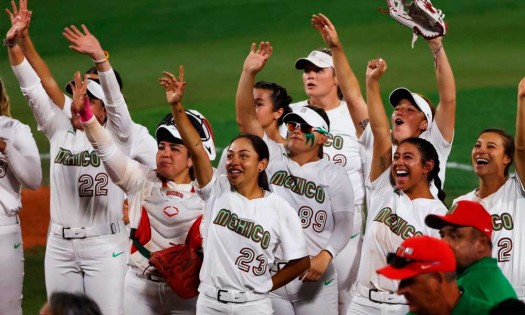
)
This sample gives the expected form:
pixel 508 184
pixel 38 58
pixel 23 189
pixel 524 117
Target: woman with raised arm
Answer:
pixel 19 165
pixel 503 193
pixel 163 204
pixel 400 199
pixel 414 115
pixel 245 223
pixel 318 190
pixel 86 207
pixel 142 145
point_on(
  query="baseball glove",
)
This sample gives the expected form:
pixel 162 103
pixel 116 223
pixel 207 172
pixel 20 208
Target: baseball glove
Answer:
pixel 180 264
pixel 420 16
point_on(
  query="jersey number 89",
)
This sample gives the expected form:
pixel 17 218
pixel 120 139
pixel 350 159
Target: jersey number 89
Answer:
pixel 307 215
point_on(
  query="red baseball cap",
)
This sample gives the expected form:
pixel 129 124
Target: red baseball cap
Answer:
pixel 419 254
pixel 463 213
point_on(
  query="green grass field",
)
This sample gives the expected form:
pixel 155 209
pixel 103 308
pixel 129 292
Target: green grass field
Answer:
pixel 211 39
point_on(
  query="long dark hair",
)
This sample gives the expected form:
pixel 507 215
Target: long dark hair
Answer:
pixel 508 145
pixel 279 96
pixel 262 151
pixel 66 303
pixel 429 153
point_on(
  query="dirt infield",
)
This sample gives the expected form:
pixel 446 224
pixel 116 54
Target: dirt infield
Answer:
pixel 34 216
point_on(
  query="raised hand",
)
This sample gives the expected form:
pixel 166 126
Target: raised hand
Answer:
pixel 79 91
pixel 375 69
pixel 84 43
pixel 13 16
pixel 21 24
pixel 257 58
pixel 174 87
pixel 326 29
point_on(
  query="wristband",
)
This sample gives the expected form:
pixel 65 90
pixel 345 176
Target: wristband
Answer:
pixel 438 50
pixel 86 114
pixel 9 44
pixel 106 57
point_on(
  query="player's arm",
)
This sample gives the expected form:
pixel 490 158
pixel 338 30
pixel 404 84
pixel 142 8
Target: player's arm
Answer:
pixel 86 43
pixel 244 102
pixel 121 169
pixel 519 155
pixel 346 78
pixel 28 49
pixel 290 271
pixel 23 157
pixel 446 109
pixel 382 147
pixel 174 92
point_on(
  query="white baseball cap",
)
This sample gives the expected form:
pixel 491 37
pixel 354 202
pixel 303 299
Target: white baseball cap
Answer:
pixel 199 122
pixel 93 90
pixel 416 100
pixel 318 58
pixel 309 116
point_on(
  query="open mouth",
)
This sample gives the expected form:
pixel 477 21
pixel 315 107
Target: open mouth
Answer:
pixel 310 85
pixel 398 122
pixel 401 173
pixel 480 161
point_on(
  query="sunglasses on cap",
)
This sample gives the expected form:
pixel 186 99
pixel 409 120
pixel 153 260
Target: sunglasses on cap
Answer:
pixel 397 261
pixel 198 123
pixel 304 127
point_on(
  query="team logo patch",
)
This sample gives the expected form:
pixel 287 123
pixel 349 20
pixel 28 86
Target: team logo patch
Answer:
pixel 170 211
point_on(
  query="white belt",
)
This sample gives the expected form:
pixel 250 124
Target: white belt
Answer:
pixel 69 233
pixel 4 221
pixel 374 295
pixel 231 296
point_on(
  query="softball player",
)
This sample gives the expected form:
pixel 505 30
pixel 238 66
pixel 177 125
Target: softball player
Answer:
pixel 163 207
pixel 317 189
pixel 502 194
pixel 17 150
pixel 86 230
pixel 244 222
pixel 397 211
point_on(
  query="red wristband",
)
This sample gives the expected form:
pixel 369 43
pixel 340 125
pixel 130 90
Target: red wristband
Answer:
pixel 86 113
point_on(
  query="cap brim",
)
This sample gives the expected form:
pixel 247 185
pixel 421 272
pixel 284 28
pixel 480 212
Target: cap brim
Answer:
pixel 293 117
pixel 301 63
pixel 397 273
pixel 168 133
pixel 438 222
pixel 399 94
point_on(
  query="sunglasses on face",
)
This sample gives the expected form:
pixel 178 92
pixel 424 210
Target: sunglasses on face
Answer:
pixel 305 128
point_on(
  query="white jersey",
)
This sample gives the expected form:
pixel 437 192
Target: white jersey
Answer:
pixel 507 207
pixel 342 147
pixel 316 190
pixel 167 210
pixel 19 164
pixel 81 193
pixel 143 146
pixel 242 236
pixel 432 135
pixel 392 218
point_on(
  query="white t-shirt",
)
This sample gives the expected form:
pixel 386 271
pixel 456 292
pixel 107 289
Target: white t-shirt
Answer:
pixel 507 207
pixel 342 147
pixel 242 236
pixel 19 164
pixel 315 190
pixel 392 218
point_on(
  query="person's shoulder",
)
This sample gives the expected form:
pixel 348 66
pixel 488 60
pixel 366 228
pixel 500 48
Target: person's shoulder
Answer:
pixel 469 304
pixel 295 106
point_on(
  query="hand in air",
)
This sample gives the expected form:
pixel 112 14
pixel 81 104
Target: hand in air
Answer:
pixel 326 29
pixel 84 42
pixel 79 92
pixel 20 20
pixel 174 87
pixel 257 57
pixel 375 69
